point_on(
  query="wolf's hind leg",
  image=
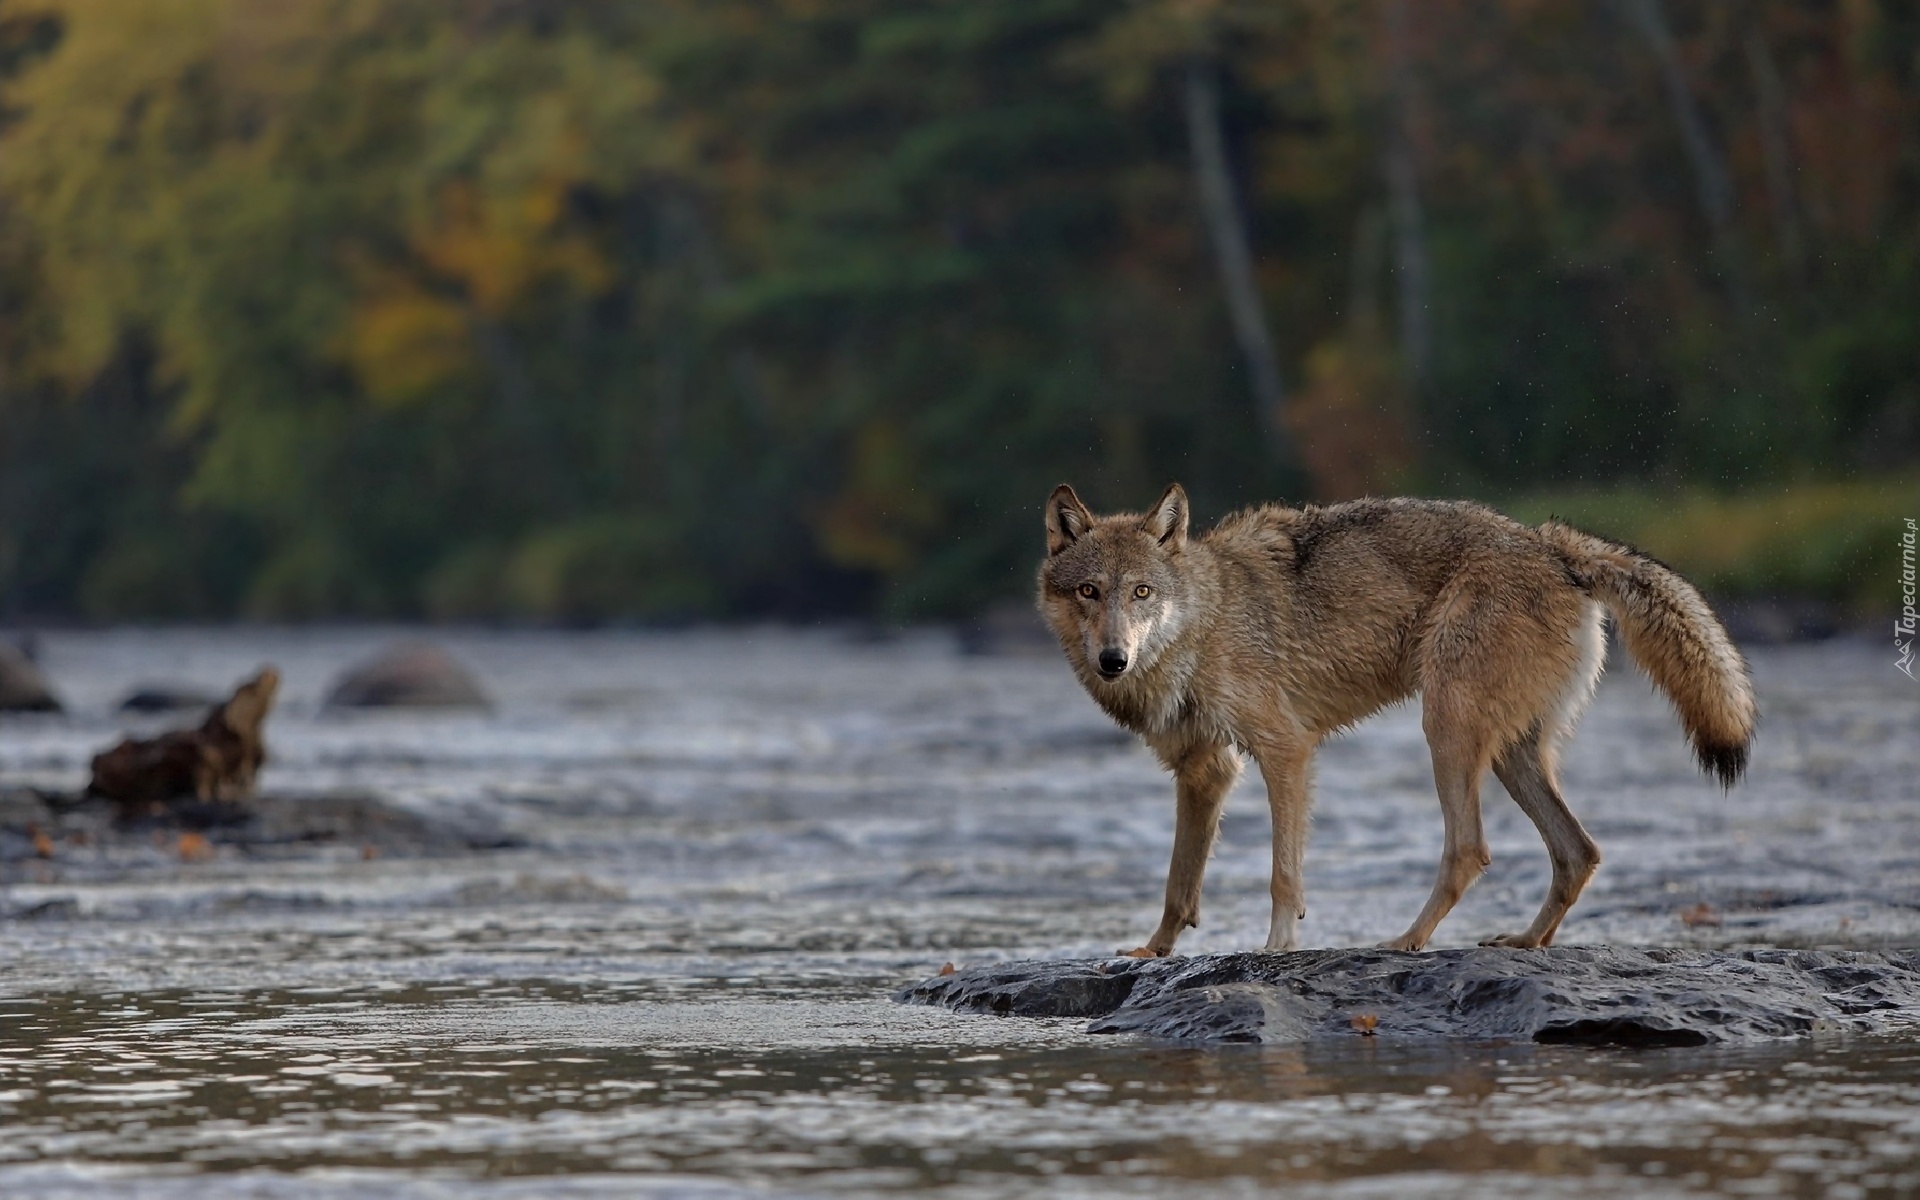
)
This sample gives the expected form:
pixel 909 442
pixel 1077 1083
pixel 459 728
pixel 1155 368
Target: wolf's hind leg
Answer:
pixel 1203 774
pixel 1526 770
pixel 1460 755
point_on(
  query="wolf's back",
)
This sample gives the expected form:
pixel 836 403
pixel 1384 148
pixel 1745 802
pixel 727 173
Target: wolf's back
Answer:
pixel 1672 633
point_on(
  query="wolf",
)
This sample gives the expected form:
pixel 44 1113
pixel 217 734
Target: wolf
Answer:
pixel 1282 626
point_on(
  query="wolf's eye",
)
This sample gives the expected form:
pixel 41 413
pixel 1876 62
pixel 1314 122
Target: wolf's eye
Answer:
pixel 1089 591
pixel 1142 592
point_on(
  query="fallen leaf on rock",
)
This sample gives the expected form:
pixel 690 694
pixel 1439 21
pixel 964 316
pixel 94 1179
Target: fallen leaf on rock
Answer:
pixel 1701 914
pixel 42 844
pixel 194 847
pixel 1365 1024
pixel 947 970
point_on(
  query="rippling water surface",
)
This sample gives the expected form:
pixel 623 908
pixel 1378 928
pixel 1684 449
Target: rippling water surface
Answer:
pixel 730 847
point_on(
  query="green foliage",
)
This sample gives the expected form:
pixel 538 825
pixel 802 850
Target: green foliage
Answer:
pixel 588 312
pixel 1835 541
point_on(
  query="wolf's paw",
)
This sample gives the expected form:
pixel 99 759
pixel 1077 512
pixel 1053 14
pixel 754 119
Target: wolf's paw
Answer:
pixel 1403 942
pixel 1144 952
pixel 1516 941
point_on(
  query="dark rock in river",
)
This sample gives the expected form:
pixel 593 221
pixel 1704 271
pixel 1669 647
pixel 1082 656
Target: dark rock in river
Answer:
pixel 22 687
pixel 415 676
pixel 159 698
pixel 89 837
pixel 1593 995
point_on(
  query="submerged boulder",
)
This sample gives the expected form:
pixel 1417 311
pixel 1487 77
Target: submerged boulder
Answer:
pixel 1594 995
pixel 420 675
pixel 22 687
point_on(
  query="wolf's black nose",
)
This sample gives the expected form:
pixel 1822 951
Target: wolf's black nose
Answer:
pixel 1112 662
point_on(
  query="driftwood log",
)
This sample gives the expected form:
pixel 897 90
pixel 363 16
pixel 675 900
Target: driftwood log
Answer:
pixel 218 761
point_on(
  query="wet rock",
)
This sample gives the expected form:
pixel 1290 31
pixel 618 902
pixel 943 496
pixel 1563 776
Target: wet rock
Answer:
pixel 60 908
pixel 287 825
pixel 410 676
pixel 159 698
pixel 22 687
pixel 1566 994
pixel 92 837
pixel 1092 988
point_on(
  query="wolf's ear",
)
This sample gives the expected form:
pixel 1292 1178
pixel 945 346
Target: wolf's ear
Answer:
pixel 1166 522
pixel 1067 519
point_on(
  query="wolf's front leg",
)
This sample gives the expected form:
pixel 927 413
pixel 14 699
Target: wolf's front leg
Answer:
pixel 1283 766
pixel 1203 774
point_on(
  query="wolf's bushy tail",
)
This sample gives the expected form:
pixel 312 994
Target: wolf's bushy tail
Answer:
pixel 1672 633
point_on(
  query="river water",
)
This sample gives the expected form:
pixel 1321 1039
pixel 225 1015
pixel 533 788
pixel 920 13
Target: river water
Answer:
pixel 729 847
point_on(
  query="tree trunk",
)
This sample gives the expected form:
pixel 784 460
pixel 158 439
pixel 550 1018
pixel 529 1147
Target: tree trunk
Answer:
pixel 697 242
pixel 1776 146
pixel 1711 186
pixel 1232 252
pixel 1409 216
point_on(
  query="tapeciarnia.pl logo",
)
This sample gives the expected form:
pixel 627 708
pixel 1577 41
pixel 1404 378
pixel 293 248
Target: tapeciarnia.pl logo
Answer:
pixel 1903 627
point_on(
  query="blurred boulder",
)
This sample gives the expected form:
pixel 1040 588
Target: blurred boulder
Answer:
pixel 159 698
pixel 22 687
pixel 218 761
pixel 412 676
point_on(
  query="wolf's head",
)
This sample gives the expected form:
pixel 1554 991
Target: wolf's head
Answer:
pixel 1112 587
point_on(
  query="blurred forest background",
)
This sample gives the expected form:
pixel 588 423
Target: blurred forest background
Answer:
pixel 569 310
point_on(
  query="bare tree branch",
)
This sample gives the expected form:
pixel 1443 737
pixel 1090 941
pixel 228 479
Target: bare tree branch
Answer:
pixel 1232 252
pixel 1409 215
pixel 1711 185
pixel 1776 146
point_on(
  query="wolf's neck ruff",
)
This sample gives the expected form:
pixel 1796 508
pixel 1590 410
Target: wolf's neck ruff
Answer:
pixel 1281 626
pixel 1155 698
